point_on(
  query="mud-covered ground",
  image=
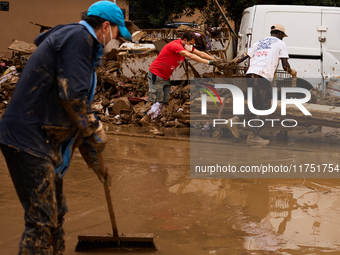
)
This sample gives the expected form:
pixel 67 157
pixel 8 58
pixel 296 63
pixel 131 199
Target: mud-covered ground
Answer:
pixel 153 193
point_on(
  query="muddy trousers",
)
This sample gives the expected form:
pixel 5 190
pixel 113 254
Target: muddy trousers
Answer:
pixel 262 96
pixel 40 192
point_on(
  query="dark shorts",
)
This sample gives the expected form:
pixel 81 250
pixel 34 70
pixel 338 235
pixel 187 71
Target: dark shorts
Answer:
pixel 262 96
pixel 262 91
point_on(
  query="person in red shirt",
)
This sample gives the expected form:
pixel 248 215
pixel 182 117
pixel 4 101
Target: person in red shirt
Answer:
pixel 170 57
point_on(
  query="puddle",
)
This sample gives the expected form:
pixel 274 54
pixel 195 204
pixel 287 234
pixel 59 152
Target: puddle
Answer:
pixel 283 216
pixel 152 192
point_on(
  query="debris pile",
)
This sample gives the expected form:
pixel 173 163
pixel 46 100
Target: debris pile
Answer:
pixel 332 93
pixel 122 87
pixel 122 100
pixel 10 69
pixel 330 100
pixel 8 80
pixel 118 99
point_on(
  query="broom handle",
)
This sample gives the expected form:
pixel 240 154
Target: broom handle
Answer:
pixel 108 196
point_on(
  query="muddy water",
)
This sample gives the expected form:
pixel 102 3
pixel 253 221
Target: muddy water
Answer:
pixel 152 192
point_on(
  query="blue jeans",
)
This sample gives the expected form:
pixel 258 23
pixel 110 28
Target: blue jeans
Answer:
pixel 40 192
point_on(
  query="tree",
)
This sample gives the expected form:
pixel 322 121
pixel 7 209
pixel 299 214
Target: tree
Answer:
pixel 151 14
pixel 234 9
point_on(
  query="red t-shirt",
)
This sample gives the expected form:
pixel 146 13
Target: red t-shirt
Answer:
pixel 168 59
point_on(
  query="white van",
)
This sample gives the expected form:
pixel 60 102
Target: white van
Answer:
pixel 313 38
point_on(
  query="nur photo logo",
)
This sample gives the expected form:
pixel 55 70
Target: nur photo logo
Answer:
pixel 239 105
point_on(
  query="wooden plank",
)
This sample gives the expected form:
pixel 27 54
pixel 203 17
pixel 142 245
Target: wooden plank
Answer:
pixel 23 47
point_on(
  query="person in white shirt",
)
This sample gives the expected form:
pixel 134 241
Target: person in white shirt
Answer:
pixel 265 56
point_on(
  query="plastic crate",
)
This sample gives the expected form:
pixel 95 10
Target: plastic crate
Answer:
pixel 236 71
pixel 282 79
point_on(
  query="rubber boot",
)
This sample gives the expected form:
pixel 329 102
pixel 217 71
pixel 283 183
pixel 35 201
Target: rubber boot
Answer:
pixel 234 127
pixel 154 130
pixel 145 120
pixel 255 139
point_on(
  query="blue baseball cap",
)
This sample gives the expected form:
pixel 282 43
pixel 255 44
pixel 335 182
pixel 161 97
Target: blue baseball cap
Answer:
pixel 110 12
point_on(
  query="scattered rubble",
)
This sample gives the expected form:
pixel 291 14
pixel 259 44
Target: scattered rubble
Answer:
pixel 333 87
pixel 8 80
pixel 122 100
pixel 122 86
pixel 330 100
pixel 122 90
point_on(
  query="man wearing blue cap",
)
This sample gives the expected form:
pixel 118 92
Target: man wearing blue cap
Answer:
pixel 50 115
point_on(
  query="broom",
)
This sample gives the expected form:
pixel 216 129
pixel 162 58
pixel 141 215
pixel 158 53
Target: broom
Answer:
pixel 114 242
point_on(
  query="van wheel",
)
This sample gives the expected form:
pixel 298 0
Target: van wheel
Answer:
pixel 301 83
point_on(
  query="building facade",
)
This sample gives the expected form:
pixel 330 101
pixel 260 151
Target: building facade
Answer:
pixel 16 15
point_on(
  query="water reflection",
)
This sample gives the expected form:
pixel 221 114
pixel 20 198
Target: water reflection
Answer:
pixel 277 215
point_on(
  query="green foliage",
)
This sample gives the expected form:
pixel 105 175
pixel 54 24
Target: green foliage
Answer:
pixel 235 8
pixel 153 14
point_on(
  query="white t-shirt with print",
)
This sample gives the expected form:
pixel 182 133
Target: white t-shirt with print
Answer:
pixel 265 56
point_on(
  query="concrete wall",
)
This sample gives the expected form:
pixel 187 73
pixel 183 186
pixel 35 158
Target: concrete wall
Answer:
pixel 14 24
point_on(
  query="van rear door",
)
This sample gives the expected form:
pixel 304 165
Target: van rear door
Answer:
pixel 302 41
pixel 244 39
pixel 330 42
